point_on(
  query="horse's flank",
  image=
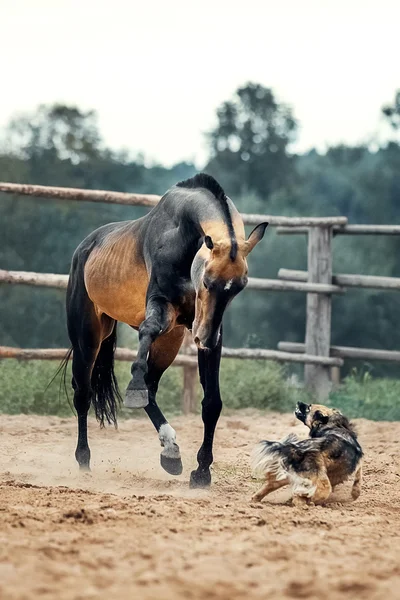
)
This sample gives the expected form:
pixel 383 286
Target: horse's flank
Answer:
pixel 116 277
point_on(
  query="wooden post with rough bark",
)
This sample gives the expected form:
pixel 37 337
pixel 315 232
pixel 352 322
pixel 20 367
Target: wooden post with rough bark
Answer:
pixel 318 326
pixel 335 377
pixel 190 379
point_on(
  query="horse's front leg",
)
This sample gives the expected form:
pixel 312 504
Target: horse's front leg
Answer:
pixel 162 354
pixel 209 363
pixel 157 321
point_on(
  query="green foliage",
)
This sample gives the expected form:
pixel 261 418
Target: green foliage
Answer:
pixel 257 384
pixel 363 396
pixel 32 317
pixel 58 130
pixel 23 389
pixel 392 112
pixel 249 144
pixel 244 384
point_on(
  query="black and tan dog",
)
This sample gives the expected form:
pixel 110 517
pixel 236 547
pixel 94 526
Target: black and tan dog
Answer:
pixel 314 466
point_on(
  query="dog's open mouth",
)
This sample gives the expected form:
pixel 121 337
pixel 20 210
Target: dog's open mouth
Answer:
pixel 301 411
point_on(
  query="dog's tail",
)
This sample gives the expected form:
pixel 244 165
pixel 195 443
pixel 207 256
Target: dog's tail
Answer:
pixel 267 456
pixel 278 457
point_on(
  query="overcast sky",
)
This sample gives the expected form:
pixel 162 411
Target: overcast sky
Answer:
pixel 155 71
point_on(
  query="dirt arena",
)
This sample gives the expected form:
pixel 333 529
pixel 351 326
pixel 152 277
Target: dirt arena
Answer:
pixel 128 530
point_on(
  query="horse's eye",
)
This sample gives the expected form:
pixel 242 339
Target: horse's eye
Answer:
pixel 205 285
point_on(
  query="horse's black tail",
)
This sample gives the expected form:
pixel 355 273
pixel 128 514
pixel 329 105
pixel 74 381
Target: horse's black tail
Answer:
pixel 63 380
pixel 105 393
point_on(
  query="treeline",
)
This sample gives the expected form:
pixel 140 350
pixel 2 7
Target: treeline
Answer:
pixel 250 154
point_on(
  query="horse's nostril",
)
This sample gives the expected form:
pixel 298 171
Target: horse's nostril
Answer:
pixel 196 340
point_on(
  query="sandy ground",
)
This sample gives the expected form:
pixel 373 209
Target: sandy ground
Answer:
pixel 129 530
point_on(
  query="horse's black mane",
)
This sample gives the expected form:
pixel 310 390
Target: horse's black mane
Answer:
pixel 203 180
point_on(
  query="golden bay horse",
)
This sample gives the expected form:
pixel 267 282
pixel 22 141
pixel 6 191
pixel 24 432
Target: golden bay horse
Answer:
pixel 178 267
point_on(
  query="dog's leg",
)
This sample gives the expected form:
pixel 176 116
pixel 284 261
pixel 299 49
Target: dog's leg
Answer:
pixel 300 501
pixel 356 490
pixel 311 488
pixel 322 486
pixel 270 485
pixel 323 490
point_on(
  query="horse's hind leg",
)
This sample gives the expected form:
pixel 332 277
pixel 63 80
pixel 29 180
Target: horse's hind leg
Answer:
pixel 86 331
pixel 82 365
pixel 162 354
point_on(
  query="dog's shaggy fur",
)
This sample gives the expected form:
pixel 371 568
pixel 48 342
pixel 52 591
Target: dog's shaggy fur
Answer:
pixel 314 466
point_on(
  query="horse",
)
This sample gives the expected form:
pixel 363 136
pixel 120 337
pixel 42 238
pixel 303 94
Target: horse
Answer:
pixel 176 268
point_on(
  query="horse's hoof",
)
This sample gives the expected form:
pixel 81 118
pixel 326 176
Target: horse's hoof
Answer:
pixel 136 398
pixel 84 468
pixel 200 479
pixel 173 466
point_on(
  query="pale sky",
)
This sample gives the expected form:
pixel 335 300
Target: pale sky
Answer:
pixel 155 71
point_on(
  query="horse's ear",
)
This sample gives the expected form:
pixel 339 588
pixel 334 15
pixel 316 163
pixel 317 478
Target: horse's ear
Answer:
pixel 208 242
pixel 256 235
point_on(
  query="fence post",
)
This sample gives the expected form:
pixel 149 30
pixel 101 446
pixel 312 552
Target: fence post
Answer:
pixel 190 380
pixel 318 326
pixel 335 377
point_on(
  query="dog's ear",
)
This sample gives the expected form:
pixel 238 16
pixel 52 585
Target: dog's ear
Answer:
pixel 318 416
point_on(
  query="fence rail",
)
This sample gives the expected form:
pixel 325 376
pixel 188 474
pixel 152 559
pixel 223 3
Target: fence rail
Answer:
pixel 348 229
pixel 347 352
pixel 78 194
pixel 51 280
pixel 60 281
pixel 124 354
pixel 322 361
pixel 182 360
pixel 346 280
pixel 274 285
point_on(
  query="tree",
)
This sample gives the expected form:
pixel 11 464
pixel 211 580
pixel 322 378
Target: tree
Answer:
pixel 59 130
pixel 249 145
pixel 392 112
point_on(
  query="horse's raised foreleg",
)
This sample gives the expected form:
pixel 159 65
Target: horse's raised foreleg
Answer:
pixel 162 354
pixel 209 363
pixel 158 319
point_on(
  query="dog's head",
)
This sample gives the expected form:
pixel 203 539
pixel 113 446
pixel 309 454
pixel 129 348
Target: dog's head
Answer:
pixel 314 414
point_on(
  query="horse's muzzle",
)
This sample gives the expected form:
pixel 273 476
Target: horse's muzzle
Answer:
pixel 208 343
pixel 199 344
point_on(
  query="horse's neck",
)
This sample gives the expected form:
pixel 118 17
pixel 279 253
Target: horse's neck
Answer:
pixel 207 217
pixel 191 208
pixel 194 214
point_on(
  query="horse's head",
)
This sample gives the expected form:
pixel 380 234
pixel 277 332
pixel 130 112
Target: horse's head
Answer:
pixel 219 273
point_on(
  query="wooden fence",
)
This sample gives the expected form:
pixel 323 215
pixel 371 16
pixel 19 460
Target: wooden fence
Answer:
pixel 322 362
pixel 318 378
